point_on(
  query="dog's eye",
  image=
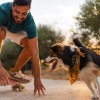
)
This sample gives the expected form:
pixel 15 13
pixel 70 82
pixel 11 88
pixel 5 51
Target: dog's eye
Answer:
pixel 53 54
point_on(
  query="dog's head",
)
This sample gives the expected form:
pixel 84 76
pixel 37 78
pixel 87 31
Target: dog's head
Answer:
pixel 61 54
pixel 55 55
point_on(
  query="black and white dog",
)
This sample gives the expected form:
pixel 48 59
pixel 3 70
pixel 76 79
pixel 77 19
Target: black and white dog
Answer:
pixel 88 66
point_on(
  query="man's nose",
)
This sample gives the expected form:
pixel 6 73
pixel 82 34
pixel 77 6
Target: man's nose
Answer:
pixel 20 16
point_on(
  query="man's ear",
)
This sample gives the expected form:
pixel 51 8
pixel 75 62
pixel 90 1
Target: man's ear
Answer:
pixel 12 6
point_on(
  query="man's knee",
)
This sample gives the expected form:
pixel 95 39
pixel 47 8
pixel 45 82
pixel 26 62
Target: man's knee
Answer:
pixel 24 42
pixel 2 33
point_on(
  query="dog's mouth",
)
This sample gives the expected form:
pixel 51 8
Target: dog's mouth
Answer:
pixel 54 64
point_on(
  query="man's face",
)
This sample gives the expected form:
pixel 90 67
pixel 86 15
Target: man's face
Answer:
pixel 20 13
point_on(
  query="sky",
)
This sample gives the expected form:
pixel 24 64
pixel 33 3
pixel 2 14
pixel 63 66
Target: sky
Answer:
pixel 56 13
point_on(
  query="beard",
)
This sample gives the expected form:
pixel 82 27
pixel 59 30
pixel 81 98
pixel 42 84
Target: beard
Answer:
pixel 18 20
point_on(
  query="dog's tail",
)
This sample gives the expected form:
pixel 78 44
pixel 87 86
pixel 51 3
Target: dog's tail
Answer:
pixel 77 42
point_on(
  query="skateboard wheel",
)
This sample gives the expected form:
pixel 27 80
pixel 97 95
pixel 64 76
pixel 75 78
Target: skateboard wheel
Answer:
pixel 18 87
pixel 14 87
pixel 21 88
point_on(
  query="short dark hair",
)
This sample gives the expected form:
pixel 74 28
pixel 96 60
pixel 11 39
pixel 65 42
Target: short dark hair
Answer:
pixel 22 2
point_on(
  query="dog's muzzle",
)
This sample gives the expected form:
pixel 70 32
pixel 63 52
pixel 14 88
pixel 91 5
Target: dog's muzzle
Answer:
pixel 52 60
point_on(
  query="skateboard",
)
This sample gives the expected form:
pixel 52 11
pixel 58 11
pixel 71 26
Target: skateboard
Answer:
pixel 18 85
pixel 15 83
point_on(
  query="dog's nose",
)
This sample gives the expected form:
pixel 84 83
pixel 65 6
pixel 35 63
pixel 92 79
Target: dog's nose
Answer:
pixel 45 61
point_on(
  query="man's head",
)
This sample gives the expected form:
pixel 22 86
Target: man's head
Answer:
pixel 20 9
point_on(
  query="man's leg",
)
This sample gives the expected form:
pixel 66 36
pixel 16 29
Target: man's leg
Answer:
pixel 22 60
pixel 24 55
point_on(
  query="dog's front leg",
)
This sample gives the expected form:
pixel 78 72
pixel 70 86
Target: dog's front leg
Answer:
pixel 98 83
pixel 95 96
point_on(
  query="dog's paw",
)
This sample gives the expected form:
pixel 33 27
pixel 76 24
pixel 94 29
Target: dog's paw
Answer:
pixel 77 36
pixel 95 97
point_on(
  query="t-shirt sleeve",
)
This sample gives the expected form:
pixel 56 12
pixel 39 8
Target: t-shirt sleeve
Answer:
pixel 30 28
pixel 3 19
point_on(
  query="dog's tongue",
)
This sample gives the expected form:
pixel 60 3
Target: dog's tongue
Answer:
pixel 53 65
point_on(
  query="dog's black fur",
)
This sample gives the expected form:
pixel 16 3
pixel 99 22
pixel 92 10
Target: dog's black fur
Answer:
pixel 95 57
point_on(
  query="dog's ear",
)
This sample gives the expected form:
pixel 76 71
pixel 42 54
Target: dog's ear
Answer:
pixel 57 48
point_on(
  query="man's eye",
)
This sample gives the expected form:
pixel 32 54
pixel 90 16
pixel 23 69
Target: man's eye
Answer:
pixel 17 12
pixel 24 14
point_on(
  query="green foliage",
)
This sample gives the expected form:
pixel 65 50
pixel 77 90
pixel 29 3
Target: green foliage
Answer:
pixel 47 37
pixel 88 20
pixel 97 4
pixel 9 54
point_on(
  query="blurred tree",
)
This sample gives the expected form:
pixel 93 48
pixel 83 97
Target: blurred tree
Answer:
pixel 88 20
pixel 47 37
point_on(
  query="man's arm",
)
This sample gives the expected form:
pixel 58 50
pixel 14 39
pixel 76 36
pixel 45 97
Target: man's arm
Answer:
pixel 3 76
pixel 33 45
pixel 3 73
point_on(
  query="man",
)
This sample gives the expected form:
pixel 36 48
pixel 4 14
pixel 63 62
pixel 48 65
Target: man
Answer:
pixel 17 24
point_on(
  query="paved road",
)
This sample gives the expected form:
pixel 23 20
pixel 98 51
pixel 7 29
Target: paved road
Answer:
pixel 55 90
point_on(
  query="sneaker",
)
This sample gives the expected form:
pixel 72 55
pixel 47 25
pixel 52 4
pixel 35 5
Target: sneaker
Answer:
pixel 19 76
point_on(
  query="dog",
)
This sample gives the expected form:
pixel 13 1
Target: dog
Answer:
pixel 80 61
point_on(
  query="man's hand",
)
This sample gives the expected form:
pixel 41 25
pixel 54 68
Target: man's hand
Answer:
pixel 4 76
pixel 38 87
